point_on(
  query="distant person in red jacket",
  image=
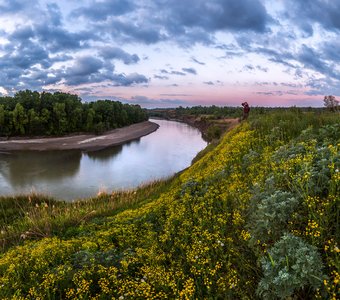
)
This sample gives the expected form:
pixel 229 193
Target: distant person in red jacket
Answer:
pixel 246 110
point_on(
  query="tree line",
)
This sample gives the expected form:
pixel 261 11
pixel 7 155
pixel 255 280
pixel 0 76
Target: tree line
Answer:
pixel 219 112
pixel 32 113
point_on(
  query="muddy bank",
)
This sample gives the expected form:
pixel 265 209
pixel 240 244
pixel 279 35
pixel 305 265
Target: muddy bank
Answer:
pixel 84 142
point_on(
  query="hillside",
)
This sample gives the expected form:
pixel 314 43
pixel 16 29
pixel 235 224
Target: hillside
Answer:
pixel 256 215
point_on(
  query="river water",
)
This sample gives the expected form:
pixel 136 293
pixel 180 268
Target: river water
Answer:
pixel 71 175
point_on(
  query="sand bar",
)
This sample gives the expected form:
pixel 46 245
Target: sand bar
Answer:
pixel 85 142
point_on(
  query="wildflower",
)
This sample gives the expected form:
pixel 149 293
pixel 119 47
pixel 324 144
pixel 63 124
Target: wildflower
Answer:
pixel 245 235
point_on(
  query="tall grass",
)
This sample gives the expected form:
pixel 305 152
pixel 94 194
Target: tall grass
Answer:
pixel 34 216
pixel 286 124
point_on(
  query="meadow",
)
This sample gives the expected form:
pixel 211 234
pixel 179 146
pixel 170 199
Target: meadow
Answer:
pixel 256 216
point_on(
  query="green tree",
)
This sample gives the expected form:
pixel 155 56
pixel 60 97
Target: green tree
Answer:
pixel 2 115
pixel 76 120
pixel 45 120
pixel 331 103
pixel 28 99
pixel 19 119
pixel 2 119
pixel 89 120
pixel 30 112
pixel 34 123
pixel 60 122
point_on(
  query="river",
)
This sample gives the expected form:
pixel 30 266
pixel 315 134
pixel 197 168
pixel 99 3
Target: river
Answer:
pixel 71 175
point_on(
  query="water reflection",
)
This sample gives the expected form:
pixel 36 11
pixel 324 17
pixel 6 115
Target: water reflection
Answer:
pixel 109 153
pixel 71 174
pixel 22 168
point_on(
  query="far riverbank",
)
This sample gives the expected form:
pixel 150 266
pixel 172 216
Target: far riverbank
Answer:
pixel 84 142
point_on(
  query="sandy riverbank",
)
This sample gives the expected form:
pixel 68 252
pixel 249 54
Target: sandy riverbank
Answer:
pixel 85 142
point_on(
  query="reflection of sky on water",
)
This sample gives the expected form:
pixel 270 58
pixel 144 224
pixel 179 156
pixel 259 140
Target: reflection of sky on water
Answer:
pixel 24 166
pixel 71 175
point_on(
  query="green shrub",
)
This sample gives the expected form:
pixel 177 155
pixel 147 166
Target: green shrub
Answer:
pixel 270 219
pixel 291 265
pixel 214 132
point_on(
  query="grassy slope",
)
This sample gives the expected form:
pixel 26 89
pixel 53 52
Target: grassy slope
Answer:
pixel 258 214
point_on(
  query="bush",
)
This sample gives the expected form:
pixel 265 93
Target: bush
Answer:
pixel 214 132
pixel 291 265
pixel 271 217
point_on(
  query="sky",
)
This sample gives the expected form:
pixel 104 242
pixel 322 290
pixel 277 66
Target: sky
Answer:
pixel 167 53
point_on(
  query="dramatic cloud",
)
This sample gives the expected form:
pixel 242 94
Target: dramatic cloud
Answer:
pixel 127 80
pixel 83 67
pixel 310 58
pixel 130 32
pixel 117 53
pixel 93 70
pixel 57 39
pixel 99 47
pixel 326 13
pixel 25 56
pixel 215 15
pixel 330 50
pixel 161 20
pixel 99 11
pixel 15 6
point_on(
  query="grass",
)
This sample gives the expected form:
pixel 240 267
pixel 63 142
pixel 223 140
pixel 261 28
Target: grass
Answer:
pixel 255 216
pixel 34 216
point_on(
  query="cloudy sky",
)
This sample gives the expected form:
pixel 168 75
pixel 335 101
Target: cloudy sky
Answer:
pixel 162 53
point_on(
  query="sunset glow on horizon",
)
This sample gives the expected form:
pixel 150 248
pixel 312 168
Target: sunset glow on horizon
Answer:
pixel 160 53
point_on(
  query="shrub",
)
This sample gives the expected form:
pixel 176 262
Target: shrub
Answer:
pixel 214 132
pixel 291 265
pixel 271 217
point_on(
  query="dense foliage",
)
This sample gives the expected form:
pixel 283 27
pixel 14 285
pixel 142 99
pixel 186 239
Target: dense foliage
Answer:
pixel 217 112
pixel 257 216
pixel 214 112
pixel 33 113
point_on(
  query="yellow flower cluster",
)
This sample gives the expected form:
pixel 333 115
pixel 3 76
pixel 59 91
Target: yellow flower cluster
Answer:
pixel 333 285
pixel 245 235
pixel 312 229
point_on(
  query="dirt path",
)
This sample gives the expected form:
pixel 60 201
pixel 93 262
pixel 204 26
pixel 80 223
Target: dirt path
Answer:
pixel 85 142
